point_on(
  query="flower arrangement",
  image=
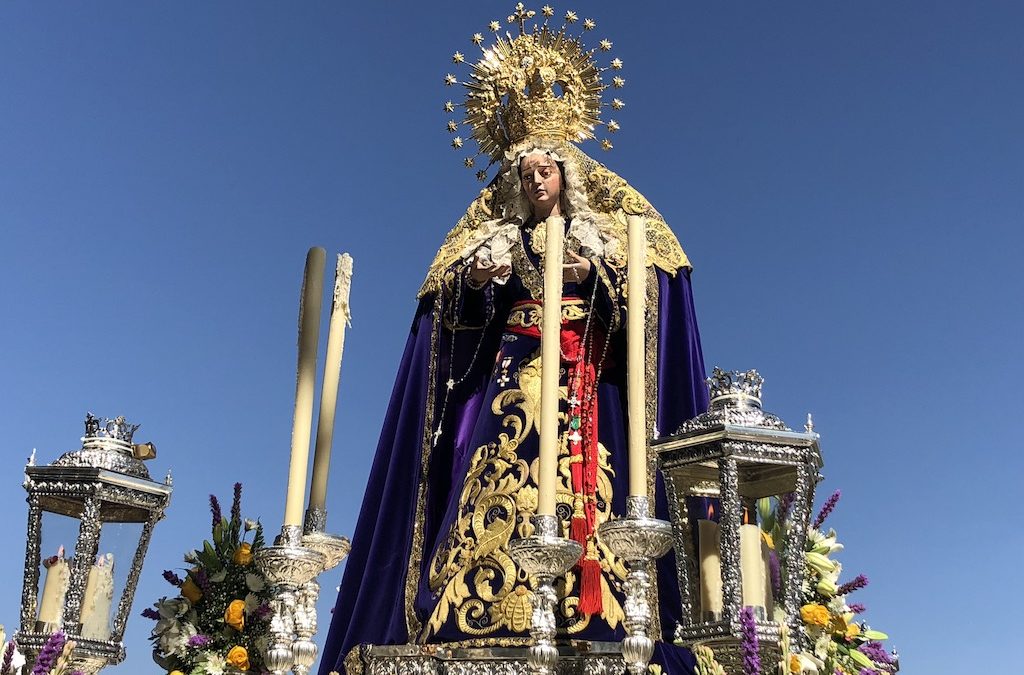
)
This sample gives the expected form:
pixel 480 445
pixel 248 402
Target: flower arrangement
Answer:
pixel 217 623
pixel 53 659
pixel 840 643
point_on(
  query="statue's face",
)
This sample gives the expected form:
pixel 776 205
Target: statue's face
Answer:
pixel 542 183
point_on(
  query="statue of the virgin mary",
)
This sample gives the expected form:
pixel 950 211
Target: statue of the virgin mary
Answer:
pixel 454 480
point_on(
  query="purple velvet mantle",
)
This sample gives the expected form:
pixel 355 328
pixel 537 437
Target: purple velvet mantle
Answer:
pixel 371 606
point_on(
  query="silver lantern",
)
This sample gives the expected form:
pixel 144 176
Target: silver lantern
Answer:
pixel 731 456
pixel 99 493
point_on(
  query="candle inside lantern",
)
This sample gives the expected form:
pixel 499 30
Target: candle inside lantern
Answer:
pixel 752 563
pixel 340 317
pixel 99 595
pixel 550 361
pixel 636 361
pixel 710 556
pixel 55 587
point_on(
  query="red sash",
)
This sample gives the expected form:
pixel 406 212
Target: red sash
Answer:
pixel 582 438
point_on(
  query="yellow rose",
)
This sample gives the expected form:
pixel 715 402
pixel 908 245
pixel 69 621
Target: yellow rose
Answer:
pixel 238 657
pixel 794 664
pixel 191 591
pixel 814 614
pixel 243 554
pixel 175 672
pixel 234 615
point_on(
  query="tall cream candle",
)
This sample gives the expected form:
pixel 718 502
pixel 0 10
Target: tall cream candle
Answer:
pixel 309 336
pixel 710 556
pixel 752 571
pixel 340 319
pixel 55 587
pixel 550 362
pixel 636 361
pixel 769 596
pixel 99 595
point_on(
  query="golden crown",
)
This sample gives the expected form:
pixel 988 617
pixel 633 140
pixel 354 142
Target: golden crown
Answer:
pixel 543 83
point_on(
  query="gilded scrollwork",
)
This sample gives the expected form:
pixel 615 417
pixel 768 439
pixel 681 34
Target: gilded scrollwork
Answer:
pixel 477 584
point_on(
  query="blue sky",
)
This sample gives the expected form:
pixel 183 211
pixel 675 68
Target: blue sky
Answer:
pixel 846 177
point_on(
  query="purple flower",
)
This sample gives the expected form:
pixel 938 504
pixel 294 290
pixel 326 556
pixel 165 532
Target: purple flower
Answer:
pixel 263 611
pixel 827 509
pixel 867 671
pixel 172 578
pixel 199 640
pixel 785 503
pixel 875 652
pixel 151 613
pixel 776 573
pixel 850 586
pixel 48 654
pixel 215 510
pixel 857 608
pixel 202 581
pixel 748 643
pixel 236 504
pixel 8 657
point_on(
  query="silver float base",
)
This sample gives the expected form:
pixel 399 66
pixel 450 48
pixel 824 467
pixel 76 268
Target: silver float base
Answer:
pixel 598 658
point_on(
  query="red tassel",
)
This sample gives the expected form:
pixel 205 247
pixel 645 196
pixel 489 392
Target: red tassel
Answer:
pixel 578 531
pixel 590 586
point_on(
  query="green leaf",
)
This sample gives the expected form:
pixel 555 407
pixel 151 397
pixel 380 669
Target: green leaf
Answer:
pixel 875 635
pixel 861 659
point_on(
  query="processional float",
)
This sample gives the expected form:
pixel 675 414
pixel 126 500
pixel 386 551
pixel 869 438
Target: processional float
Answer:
pixel 719 468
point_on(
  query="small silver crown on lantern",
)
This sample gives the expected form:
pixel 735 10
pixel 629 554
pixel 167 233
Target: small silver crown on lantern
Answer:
pixel 734 385
pixel 117 429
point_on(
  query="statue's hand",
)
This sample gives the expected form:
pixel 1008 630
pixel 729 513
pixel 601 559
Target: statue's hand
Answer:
pixel 483 271
pixel 578 270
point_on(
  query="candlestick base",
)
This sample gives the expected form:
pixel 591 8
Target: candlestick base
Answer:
pixel 639 540
pixel 544 557
pixel 290 568
pixel 334 548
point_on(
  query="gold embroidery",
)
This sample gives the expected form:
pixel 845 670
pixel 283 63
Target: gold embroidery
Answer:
pixel 476 582
pixel 354 661
pixel 528 274
pixel 607 193
pixel 528 315
pixel 651 407
pixel 412 572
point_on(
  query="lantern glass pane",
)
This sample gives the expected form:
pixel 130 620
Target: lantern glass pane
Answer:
pixel 108 578
pixel 57 547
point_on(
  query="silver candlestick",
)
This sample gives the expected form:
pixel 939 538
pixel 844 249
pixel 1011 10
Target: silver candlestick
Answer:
pixel 544 557
pixel 639 540
pixel 288 567
pixel 334 549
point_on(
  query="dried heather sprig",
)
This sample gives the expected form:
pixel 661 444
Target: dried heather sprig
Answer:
pixel 8 656
pixel 217 516
pixel 785 504
pixel 876 652
pixel 199 640
pixel 749 646
pixel 48 654
pixel 857 608
pixel 151 613
pixel 202 581
pixel 236 504
pixel 850 586
pixel 776 573
pixel 172 578
pixel 827 509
